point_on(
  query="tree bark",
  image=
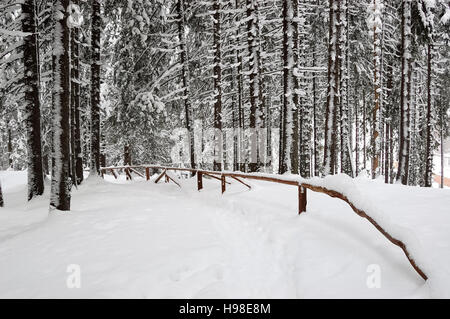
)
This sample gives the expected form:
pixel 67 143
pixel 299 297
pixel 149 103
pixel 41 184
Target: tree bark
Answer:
pixel 95 88
pixel 286 125
pixel 388 122
pixel 184 60
pixel 60 195
pixel 32 100
pixel 296 138
pixel 1 196
pixel 217 70
pixel 332 89
pixel 364 128
pixel 375 112
pixel 77 157
pixel 315 124
pixel 10 149
pixel 405 96
pixel 357 101
pixel 428 154
pixel 254 83
pixel 240 111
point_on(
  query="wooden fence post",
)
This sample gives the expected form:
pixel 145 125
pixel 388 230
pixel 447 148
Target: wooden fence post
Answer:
pixel 301 199
pixel 147 173
pixel 127 171
pixel 199 180
pixel 222 178
pixel 114 173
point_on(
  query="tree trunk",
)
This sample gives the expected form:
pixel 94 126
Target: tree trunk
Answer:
pixel 77 157
pixel 254 84
pixel 184 60
pixel 60 195
pixel 32 101
pixel 296 138
pixel 405 96
pixel 10 149
pixel 240 161
pixel 217 70
pixel 376 109
pixel 286 127
pixel 364 130
pixel 1 196
pixel 95 87
pixel 315 126
pixel 332 89
pixel 441 116
pixel 357 101
pixel 428 153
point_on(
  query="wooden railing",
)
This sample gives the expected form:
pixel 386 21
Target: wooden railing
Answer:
pixel 237 176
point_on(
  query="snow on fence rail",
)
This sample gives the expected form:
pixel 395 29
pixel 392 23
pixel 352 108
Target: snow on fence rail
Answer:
pixel 302 184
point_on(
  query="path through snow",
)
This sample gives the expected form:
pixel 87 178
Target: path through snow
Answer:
pixel 145 240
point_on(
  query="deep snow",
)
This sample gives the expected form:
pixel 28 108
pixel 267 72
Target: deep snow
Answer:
pixel 144 240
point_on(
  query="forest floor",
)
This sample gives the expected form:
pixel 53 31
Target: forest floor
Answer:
pixel 138 239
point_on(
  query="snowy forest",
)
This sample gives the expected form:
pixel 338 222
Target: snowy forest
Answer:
pixel 308 87
pixel 304 145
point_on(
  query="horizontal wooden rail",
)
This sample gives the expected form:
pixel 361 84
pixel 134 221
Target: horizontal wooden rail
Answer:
pixel 302 193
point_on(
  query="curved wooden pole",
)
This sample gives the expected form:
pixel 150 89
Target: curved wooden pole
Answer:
pixel 362 214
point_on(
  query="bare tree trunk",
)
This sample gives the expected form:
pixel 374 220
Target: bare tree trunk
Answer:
pixel 126 155
pixel 10 149
pixel 95 88
pixel 60 195
pixel 184 60
pixel 405 96
pixel 356 132
pixel 1 196
pixel 254 85
pixel 296 99
pixel 217 70
pixel 376 109
pixel 428 154
pixel 388 123
pixel 364 130
pixel 286 126
pixel 77 157
pixel 441 113
pixel 32 100
pixel 333 89
pixel 315 126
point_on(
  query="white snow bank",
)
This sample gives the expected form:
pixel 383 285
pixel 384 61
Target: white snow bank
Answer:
pixel 420 217
pixel 146 240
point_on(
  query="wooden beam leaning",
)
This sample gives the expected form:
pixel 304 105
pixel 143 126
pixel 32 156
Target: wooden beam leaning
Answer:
pixel 114 173
pixel 237 179
pixel 136 172
pixel 362 214
pixel 215 177
pixel 160 176
pixel 168 177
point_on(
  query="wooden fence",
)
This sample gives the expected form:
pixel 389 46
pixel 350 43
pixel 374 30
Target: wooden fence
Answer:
pixel 237 176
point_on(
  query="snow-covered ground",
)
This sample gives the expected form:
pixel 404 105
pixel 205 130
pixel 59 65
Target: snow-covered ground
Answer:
pixel 144 240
